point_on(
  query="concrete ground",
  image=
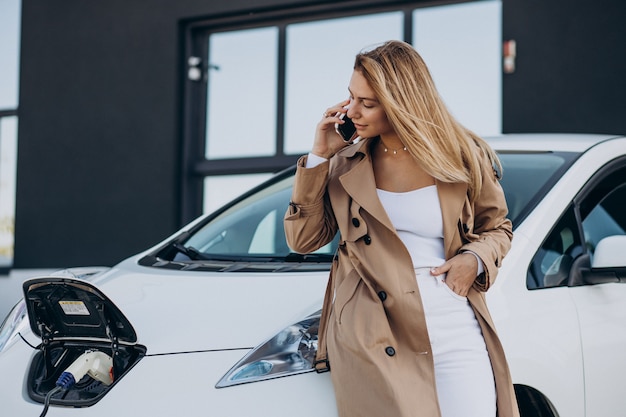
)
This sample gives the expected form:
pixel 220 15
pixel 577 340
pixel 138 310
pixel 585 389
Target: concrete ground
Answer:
pixel 11 287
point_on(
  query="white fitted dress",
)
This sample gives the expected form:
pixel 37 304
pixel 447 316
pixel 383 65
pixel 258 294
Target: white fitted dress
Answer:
pixel 464 378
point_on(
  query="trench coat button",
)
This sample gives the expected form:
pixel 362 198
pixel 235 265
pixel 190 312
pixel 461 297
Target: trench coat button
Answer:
pixel 367 239
pixel 390 351
pixel 382 295
pixel 356 222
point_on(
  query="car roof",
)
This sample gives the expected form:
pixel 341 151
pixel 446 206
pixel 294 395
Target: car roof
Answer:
pixel 556 142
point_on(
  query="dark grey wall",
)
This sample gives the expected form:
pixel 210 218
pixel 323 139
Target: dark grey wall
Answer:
pixel 571 66
pixel 99 123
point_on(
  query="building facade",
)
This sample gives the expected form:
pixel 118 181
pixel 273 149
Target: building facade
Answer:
pixel 136 117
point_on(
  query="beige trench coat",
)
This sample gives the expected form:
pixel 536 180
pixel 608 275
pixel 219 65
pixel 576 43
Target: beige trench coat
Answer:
pixel 376 337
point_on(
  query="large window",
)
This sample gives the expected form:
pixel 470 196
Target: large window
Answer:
pixel 10 11
pixel 461 46
pixel 320 56
pixel 241 93
pixel 257 85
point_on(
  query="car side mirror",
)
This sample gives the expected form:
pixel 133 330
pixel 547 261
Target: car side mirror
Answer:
pixel 610 252
pixel 609 262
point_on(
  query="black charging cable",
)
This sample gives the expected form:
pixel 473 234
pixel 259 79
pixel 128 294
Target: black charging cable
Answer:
pixel 46 403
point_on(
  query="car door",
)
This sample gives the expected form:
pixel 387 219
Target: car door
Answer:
pixel 565 262
pixel 598 294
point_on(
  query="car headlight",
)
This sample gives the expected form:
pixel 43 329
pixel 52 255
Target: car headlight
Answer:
pixel 292 351
pixel 13 324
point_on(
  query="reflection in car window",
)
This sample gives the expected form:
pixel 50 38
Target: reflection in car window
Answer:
pixel 252 227
pixel 527 176
pixel 602 214
pixel 603 211
pixel 551 265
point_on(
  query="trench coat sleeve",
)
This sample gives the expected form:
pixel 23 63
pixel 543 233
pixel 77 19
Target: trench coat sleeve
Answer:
pixel 309 221
pixel 492 231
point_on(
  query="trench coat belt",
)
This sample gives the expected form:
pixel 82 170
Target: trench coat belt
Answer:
pixel 321 363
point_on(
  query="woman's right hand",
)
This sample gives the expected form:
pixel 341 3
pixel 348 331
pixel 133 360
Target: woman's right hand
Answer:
pixel 327 141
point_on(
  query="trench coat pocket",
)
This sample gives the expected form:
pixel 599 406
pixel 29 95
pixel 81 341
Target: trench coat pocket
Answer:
pixel 345 291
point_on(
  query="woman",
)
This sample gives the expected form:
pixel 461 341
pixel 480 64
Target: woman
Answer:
pixel 423 230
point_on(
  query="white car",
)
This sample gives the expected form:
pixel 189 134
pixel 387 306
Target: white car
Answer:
pixel 221 318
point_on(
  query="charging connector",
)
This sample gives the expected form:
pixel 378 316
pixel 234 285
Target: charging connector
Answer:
pixel 94 363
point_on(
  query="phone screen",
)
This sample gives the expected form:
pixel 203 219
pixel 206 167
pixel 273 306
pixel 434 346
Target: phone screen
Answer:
pixel 347 129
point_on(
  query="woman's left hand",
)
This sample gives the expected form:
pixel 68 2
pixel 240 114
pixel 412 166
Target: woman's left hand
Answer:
pixel 460 272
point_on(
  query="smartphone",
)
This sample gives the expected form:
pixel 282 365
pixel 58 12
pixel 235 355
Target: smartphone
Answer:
pixel 346 130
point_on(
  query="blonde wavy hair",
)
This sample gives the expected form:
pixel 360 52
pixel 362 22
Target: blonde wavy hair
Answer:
pixel 404 87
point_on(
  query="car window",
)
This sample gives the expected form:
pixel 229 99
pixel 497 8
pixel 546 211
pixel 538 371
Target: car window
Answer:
pixel 600 210
pixel 527 177
pixel 551 264
pixel 607 216
pixel 251 228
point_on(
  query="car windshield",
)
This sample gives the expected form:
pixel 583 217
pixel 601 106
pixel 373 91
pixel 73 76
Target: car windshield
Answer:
pixel 249 233
pixel 253 226
pixel 528 176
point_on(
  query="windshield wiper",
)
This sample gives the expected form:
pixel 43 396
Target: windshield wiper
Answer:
pixel 309 257
pixel 191 252
pixel 195 255
pixel 260 258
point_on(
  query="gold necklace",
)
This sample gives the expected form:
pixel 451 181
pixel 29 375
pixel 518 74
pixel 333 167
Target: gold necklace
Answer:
pixel 386 149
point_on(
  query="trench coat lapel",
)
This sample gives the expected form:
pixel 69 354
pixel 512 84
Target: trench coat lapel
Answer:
pixel 360 184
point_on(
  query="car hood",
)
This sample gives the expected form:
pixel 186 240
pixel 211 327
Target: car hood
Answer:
pixel 186 311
